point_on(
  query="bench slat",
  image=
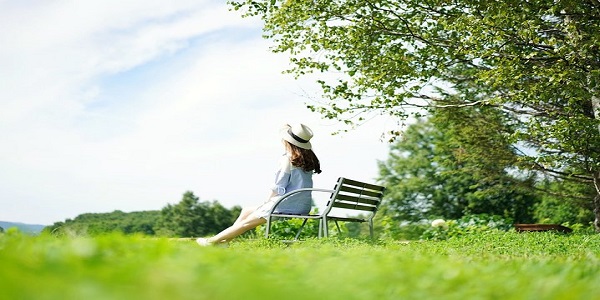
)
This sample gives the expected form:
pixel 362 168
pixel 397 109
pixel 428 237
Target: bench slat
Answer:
pixel 349 198
pixel 354 206
pixel 362 184
pixel 346 219
pixel 354 190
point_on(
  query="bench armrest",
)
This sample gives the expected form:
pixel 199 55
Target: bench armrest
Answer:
pixel 286 195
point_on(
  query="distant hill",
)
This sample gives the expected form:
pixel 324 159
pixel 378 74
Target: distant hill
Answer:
pixel 25 228
pixel 142 222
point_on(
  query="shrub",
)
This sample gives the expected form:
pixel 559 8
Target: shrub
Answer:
pixel 287 228
pixel 466 225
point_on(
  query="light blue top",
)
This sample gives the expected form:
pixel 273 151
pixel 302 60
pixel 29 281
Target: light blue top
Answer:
pixel 289 178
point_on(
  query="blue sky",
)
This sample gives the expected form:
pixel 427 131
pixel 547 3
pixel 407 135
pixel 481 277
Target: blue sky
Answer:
pixel 112 105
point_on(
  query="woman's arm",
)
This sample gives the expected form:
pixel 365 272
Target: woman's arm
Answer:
pixel 282 177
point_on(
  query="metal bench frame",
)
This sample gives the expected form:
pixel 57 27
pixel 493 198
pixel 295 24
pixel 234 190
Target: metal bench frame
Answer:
pixel 348 194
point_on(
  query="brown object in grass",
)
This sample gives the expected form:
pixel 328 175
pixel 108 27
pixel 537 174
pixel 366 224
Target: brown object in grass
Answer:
pixel 542 227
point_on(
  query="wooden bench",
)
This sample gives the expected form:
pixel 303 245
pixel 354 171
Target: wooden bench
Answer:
pixel 348 196
pixel 542 227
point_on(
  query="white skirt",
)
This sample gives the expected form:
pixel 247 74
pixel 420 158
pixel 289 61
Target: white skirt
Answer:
pixel 293 205
pixel 263 210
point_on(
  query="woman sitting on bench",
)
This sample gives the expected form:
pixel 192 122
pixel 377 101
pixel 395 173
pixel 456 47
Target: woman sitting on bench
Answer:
pixel 295 171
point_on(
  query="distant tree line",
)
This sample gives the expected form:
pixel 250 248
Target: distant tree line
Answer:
pixel 142 222
pixel 188 218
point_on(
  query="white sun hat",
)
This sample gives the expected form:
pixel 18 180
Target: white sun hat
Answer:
pixel 298 135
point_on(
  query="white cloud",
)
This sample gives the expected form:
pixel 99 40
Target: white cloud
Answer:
pixel 108 105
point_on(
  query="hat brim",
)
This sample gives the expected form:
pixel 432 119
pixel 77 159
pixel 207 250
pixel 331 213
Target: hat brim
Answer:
pixel 288 138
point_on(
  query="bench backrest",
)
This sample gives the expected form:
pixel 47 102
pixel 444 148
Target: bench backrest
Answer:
pixel 355 195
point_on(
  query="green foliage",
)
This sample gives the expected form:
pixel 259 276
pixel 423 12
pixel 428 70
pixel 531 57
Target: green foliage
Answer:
pixel 142 222
pixel 357 230
pixel 467 225
pixel 456 163
pixel 539 58
pixel 188 218
pixel 490 265
pixel 192 218
pixel 288 228
pixel 565 202
pixel 525 247
pixel 388 228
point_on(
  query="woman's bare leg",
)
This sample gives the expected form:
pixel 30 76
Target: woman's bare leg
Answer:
pixel 246 211
pixel 249 222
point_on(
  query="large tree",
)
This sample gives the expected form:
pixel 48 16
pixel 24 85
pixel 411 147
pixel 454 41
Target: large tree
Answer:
pixel 454 163
pixel 538 60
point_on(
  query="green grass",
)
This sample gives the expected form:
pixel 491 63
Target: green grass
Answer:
pixel 491 265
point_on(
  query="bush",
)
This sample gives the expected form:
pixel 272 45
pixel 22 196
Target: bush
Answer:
pixel 387 228
pixel 466 225
pixel 287 228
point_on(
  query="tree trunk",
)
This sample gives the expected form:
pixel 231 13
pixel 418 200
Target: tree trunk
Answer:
pixel 597 202
pixel 597 212
pixel 596 108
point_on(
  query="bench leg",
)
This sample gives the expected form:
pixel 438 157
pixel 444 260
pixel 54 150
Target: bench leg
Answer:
pixel 320 228
pixel 268 227
pixel 300 230
pixel 338 227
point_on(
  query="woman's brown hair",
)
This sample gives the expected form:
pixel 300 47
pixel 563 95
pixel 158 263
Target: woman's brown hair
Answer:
pixel 304 158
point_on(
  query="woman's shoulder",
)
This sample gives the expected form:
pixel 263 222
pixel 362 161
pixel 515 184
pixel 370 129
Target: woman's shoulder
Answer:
pixel 285 162
pixel 285 157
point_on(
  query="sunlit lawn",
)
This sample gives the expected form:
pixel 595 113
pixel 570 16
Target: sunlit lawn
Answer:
pixel 495 265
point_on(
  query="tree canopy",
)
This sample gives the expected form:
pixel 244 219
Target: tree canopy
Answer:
pixel 454 163
pixel 537 60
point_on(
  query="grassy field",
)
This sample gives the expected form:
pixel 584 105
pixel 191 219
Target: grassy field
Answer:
pixel 491 265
